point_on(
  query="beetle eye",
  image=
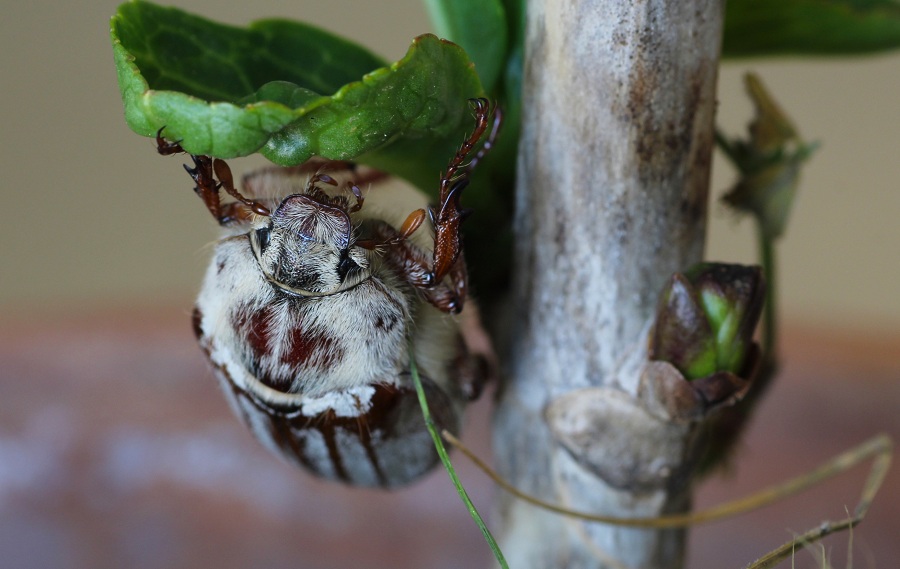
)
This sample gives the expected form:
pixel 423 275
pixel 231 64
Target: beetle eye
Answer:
pixel 262 238
pixel 345 265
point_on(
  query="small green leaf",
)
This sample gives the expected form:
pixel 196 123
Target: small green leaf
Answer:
pixel 479 26
pixel 511 86
pixel 287 90
pixel 810 27
pixel 769 162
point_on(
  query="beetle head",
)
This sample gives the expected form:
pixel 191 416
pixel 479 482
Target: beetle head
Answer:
pixel 307 246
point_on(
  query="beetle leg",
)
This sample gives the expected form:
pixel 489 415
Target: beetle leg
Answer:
pixel 472 371
pixel 204 173
pixel 165 147
pixel 447 218
pixel 450 295
pixel 488 144
pixel 412 264
pixel 226 181
pixel 447 295
pixel 458 278
pixel 206 188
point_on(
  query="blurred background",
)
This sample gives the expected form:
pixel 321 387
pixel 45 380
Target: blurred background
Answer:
pixel 116 449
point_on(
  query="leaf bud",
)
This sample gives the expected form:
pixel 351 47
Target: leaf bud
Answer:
pixel 706 318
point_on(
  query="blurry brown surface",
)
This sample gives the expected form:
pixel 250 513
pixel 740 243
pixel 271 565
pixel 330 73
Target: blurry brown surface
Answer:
pixel 117 451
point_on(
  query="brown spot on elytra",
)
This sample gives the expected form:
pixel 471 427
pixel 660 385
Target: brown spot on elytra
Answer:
pixel 311 347
pixel 386 321
pixel 252 327
pixel 258 332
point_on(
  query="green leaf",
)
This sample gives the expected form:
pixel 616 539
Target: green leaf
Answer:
pixel 769 162
pixel 287 90
pixel 420 100
pixel 480 27
pixel 810 27
pixel 511 92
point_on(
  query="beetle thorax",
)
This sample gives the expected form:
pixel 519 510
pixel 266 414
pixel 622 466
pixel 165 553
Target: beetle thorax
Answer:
pixel 307 246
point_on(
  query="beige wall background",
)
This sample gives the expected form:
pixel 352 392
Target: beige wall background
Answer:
pixel 94 219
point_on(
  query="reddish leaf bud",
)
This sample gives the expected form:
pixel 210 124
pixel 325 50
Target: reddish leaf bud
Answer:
pixel 706 318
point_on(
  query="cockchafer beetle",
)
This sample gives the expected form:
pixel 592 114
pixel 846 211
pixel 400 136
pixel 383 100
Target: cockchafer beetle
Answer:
pixel 314 298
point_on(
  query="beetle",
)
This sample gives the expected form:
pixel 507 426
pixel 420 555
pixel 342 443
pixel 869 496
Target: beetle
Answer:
pixel 314 297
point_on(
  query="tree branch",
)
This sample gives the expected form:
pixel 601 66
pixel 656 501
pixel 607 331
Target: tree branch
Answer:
pixel 613 174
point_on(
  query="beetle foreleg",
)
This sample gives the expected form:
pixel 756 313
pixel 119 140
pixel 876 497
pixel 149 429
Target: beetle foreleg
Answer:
pixel 412 265
pixel 450 295
pixel 226 181
pixel 166 148
pixel 204 174
pixel 449 215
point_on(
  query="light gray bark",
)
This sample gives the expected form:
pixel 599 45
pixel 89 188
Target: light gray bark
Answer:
pixel 618 105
